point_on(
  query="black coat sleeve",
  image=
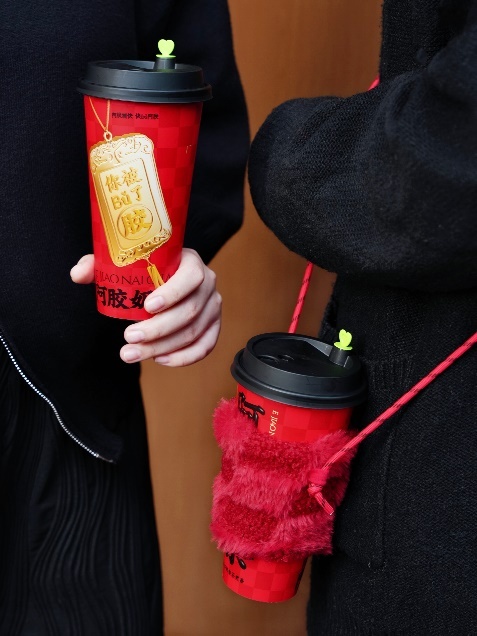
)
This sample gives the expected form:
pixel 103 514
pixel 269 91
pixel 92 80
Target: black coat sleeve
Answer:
pixel 380 186
pixel 202 34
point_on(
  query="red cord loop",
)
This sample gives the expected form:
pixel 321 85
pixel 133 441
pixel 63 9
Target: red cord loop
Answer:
pixel 315 491
pixel 317 478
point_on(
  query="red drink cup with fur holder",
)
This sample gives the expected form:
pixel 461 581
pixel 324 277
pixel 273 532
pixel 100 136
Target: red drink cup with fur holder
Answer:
pixel 142 125
pixel 297 389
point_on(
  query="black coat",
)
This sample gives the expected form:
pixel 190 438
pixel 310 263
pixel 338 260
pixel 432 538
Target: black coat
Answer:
pixel 65 347
pixel 381 187
pixel 78 543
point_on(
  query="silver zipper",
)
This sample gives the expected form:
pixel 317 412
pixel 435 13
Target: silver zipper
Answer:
pixel 49 402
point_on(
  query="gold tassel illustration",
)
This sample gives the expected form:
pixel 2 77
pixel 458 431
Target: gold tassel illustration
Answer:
pixel 154 274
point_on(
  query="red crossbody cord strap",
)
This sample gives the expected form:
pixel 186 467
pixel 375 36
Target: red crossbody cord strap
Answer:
pixel 407 397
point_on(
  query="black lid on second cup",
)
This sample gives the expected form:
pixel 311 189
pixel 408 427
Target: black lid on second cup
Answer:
pixel 144 81
pixel 301 371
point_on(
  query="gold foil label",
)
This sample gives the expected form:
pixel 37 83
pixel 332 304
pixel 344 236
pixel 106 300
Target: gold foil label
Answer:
pixel 130 199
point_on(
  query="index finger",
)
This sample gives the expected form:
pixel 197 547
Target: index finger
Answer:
pixel 189 276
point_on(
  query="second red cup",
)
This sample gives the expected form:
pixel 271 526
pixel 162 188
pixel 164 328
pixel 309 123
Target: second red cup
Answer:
pixel 296 389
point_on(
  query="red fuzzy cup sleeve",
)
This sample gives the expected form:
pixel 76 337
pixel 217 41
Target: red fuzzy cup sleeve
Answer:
pixel 263 505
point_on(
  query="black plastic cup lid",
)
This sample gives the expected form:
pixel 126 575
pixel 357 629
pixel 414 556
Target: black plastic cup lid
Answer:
pixel 300 371
pixel 143 81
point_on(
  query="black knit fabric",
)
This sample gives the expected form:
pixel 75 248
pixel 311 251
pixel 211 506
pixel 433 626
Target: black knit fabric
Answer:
pixel 381 188
pixel 78 545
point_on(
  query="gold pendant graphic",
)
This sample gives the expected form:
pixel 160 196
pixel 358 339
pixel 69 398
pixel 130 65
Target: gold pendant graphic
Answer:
pixel 130 199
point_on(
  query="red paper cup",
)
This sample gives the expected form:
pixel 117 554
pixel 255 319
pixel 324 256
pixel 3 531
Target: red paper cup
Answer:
pixel 295 389
pixel 139 204
pixel 142 126
pixel 258 580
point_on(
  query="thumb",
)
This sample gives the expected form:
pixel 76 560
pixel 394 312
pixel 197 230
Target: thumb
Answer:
pixel 83 271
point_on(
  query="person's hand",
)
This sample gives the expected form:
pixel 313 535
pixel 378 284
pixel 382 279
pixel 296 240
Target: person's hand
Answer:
pixel 83 271
pixel 186 319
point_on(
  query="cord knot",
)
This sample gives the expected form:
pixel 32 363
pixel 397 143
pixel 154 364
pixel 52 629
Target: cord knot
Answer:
pixel 317 478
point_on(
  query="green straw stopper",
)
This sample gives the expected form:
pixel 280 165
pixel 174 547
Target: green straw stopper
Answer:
pixel 344 340
pixel 165 49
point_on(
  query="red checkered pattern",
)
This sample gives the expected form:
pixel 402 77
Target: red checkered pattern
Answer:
pixel 173 129
pixel 262 580
pixel 295 423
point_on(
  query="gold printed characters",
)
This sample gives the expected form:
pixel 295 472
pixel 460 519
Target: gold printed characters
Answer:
pixel 130 199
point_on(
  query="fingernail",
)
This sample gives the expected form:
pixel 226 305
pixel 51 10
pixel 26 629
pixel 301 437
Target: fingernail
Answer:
pixel 162 359
pixel 131 355
pixel 134 336
pixel 154 304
